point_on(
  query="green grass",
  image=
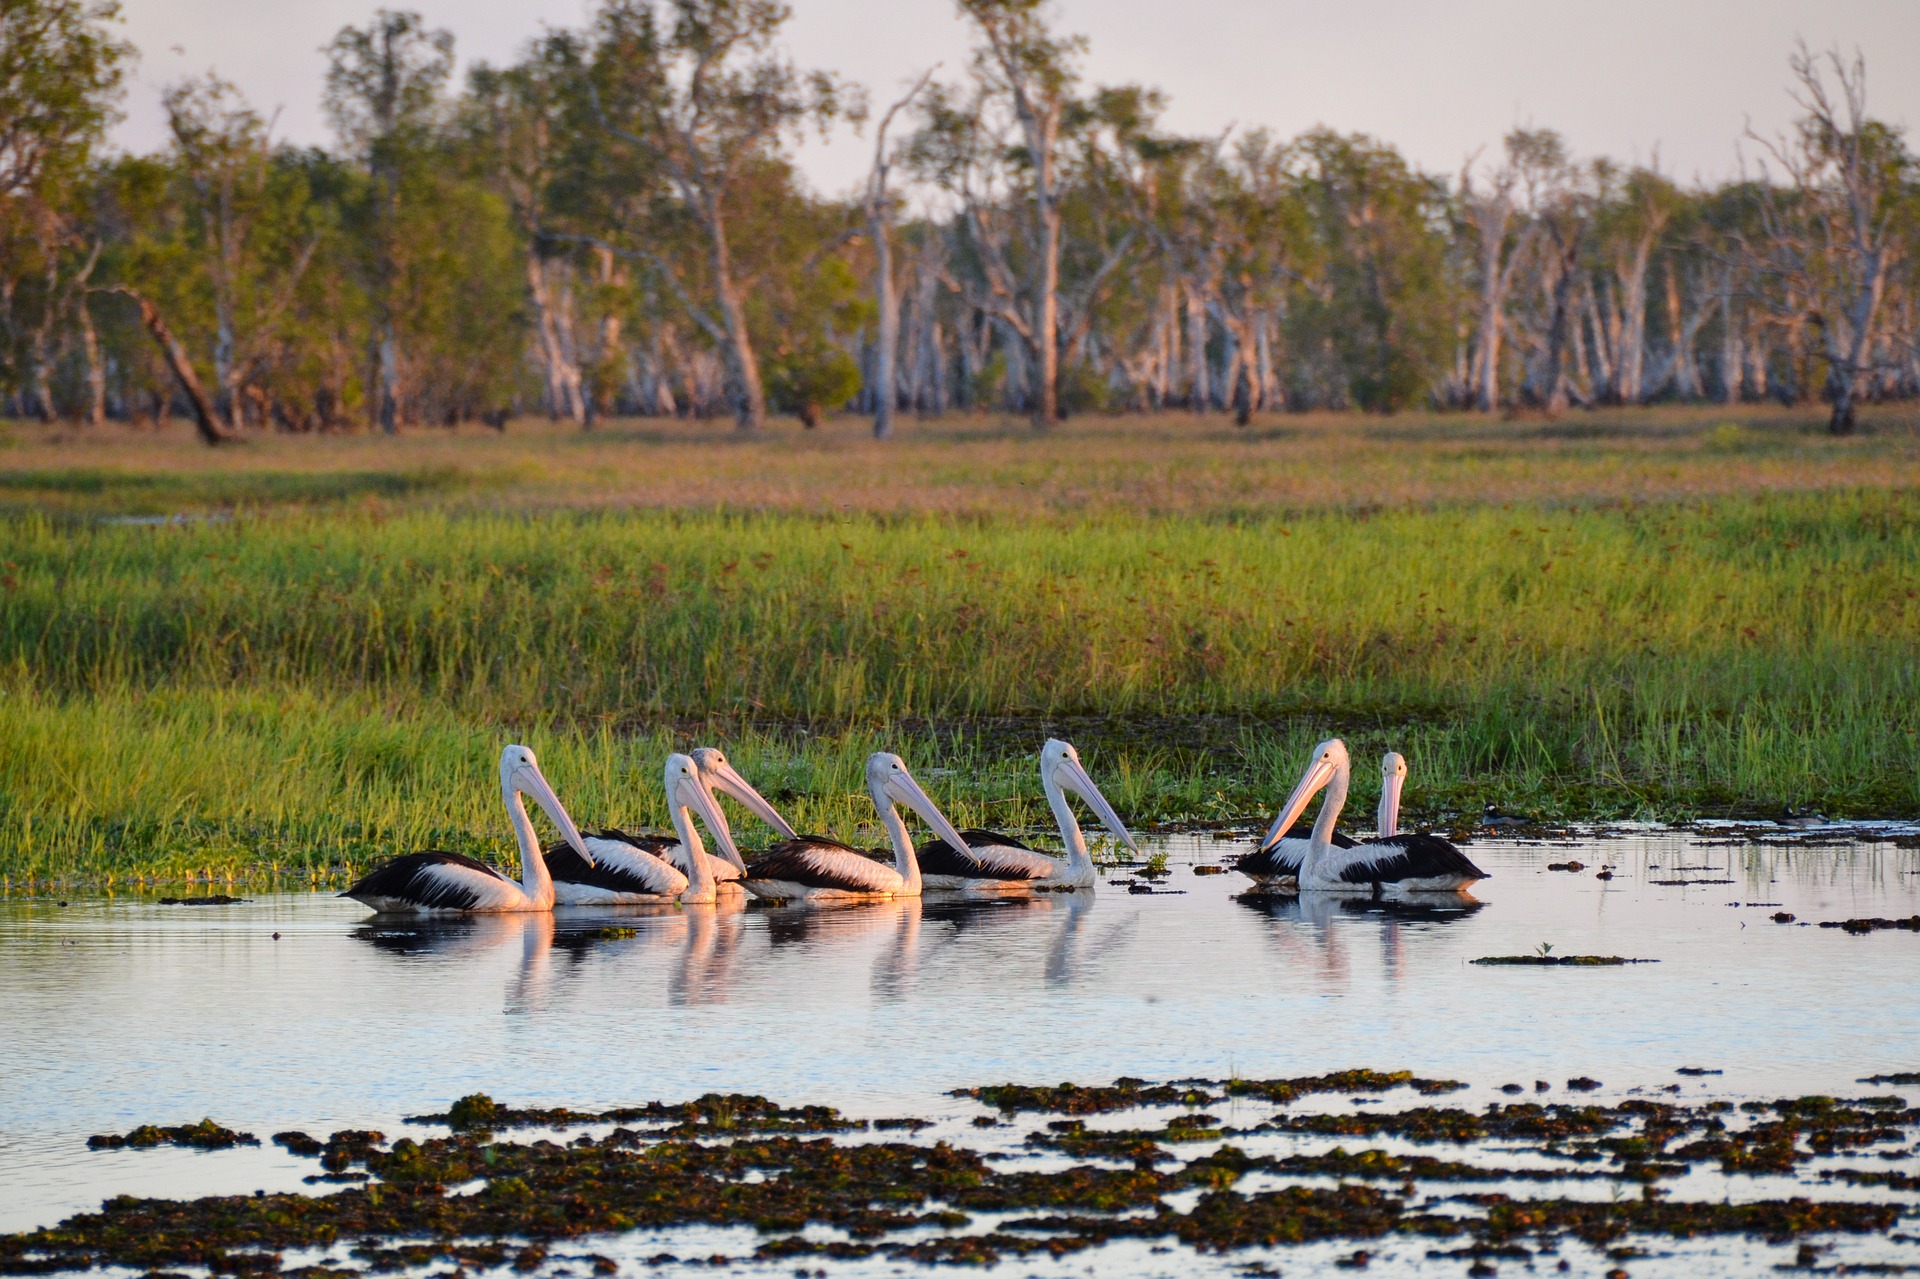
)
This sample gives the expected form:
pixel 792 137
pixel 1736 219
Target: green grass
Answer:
pixel 308 689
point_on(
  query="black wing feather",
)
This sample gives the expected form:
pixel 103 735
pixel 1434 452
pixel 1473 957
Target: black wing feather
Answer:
pixel 1418 856
pixel 938 857
pixel 783 860
pixel 568 867
pixel 405 878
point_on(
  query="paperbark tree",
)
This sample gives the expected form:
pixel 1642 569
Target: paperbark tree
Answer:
pixel 706 97
pixel 878 209
pixel 519 127
pixel 383 90
pixel 1830 241
pixel 1023 61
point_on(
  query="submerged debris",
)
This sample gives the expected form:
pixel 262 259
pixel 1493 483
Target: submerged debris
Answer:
pixel 212 899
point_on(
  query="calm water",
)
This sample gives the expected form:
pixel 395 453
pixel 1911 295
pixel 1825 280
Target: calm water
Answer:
pixel 115 1012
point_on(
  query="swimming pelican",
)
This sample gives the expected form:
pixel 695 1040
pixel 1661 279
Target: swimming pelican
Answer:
pixel 814 868
pixel 1275 865
pixel 629 869
pixel 687 794
pixel 433 881
pixel 1396 864
pixel 994 862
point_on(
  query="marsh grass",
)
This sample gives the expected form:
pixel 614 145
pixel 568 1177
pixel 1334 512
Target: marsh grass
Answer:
pixel 1616 615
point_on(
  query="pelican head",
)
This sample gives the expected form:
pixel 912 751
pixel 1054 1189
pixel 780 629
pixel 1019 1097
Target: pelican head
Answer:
pixel 1330 759
pixel 720 775
pixel 1393 777
pixel 1060 764
pixel 889 782
pixel 687 789
pixel 520 775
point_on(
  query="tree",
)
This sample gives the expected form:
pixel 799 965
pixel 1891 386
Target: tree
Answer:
pixel 61 68
pixel 877 207
pixel 1830 241
pixel 703 100
pixel 520 130
pixel 1023 62
pixel 250 228
pixel 383 90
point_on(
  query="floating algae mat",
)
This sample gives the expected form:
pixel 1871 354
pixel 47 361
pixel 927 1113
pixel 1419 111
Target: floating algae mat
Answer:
pixel 1147 1084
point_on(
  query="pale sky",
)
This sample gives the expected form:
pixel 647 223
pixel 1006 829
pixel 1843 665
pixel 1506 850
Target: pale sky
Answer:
pixel 1438 78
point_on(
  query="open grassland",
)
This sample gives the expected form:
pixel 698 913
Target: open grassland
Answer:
pixel 1679 616
pixel 1172 464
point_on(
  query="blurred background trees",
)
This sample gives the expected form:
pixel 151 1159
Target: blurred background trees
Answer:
pixel 613 224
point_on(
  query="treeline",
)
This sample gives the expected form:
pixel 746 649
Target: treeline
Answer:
pixel 614 225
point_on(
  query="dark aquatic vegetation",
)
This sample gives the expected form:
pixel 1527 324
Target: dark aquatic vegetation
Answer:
pixel 1860 926
pixel 1563 961
pixel 1898 1077
pixel 212 899
pixel 399 1213
pixel 205 1135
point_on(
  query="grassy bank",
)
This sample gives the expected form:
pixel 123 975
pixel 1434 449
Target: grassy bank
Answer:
pixel 310 687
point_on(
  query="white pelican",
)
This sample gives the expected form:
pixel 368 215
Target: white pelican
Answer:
pixel 423 882
pixel 1276 864
pixel 814 868
pixel 994 862
pixel 1396 864
pixel 687 794
pixel 627 869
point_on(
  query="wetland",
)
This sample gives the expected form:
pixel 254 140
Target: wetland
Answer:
pixel 1043 1083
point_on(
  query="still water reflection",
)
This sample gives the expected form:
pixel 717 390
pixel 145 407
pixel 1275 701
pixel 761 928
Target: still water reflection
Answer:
pixel 298 1010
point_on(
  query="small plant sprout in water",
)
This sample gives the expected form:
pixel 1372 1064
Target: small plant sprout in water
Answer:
pixel 1544 949
pixel 1157 864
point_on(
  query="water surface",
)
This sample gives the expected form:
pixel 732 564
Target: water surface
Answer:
pixel 120 1011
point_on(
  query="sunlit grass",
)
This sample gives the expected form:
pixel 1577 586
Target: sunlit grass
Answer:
pixel 316 687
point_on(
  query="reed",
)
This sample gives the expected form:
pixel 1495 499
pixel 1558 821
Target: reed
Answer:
pixel 312 688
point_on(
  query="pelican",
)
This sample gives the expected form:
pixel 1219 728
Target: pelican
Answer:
pixel 990 862
pixel 814 868
pixel 687 794
pixel 1395 864
pixel 425 882
pixel 1276 864
pixel 629 869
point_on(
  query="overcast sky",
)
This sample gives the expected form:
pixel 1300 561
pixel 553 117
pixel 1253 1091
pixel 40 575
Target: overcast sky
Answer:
pixel 1438 78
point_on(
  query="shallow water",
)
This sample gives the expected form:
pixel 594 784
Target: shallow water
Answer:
pixel 120 1011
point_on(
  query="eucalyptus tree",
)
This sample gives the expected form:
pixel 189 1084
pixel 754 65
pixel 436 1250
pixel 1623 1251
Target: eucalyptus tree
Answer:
pixel 877 207
pixel 521 122
pixel 1501 236
pixel 384 90
pixel 1631 216
pixel 699 95
pixel 1024 65
pixel 1384 302
pixel 250 231
pixel 1830 242
pixel 62 65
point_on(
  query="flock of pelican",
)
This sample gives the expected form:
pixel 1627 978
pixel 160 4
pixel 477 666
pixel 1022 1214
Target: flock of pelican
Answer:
pixel 612 867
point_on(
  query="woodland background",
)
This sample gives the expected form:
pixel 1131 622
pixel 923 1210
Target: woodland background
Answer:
pixel 613 225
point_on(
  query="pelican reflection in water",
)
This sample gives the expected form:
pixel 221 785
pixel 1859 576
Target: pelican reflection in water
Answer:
pixel 1319 911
